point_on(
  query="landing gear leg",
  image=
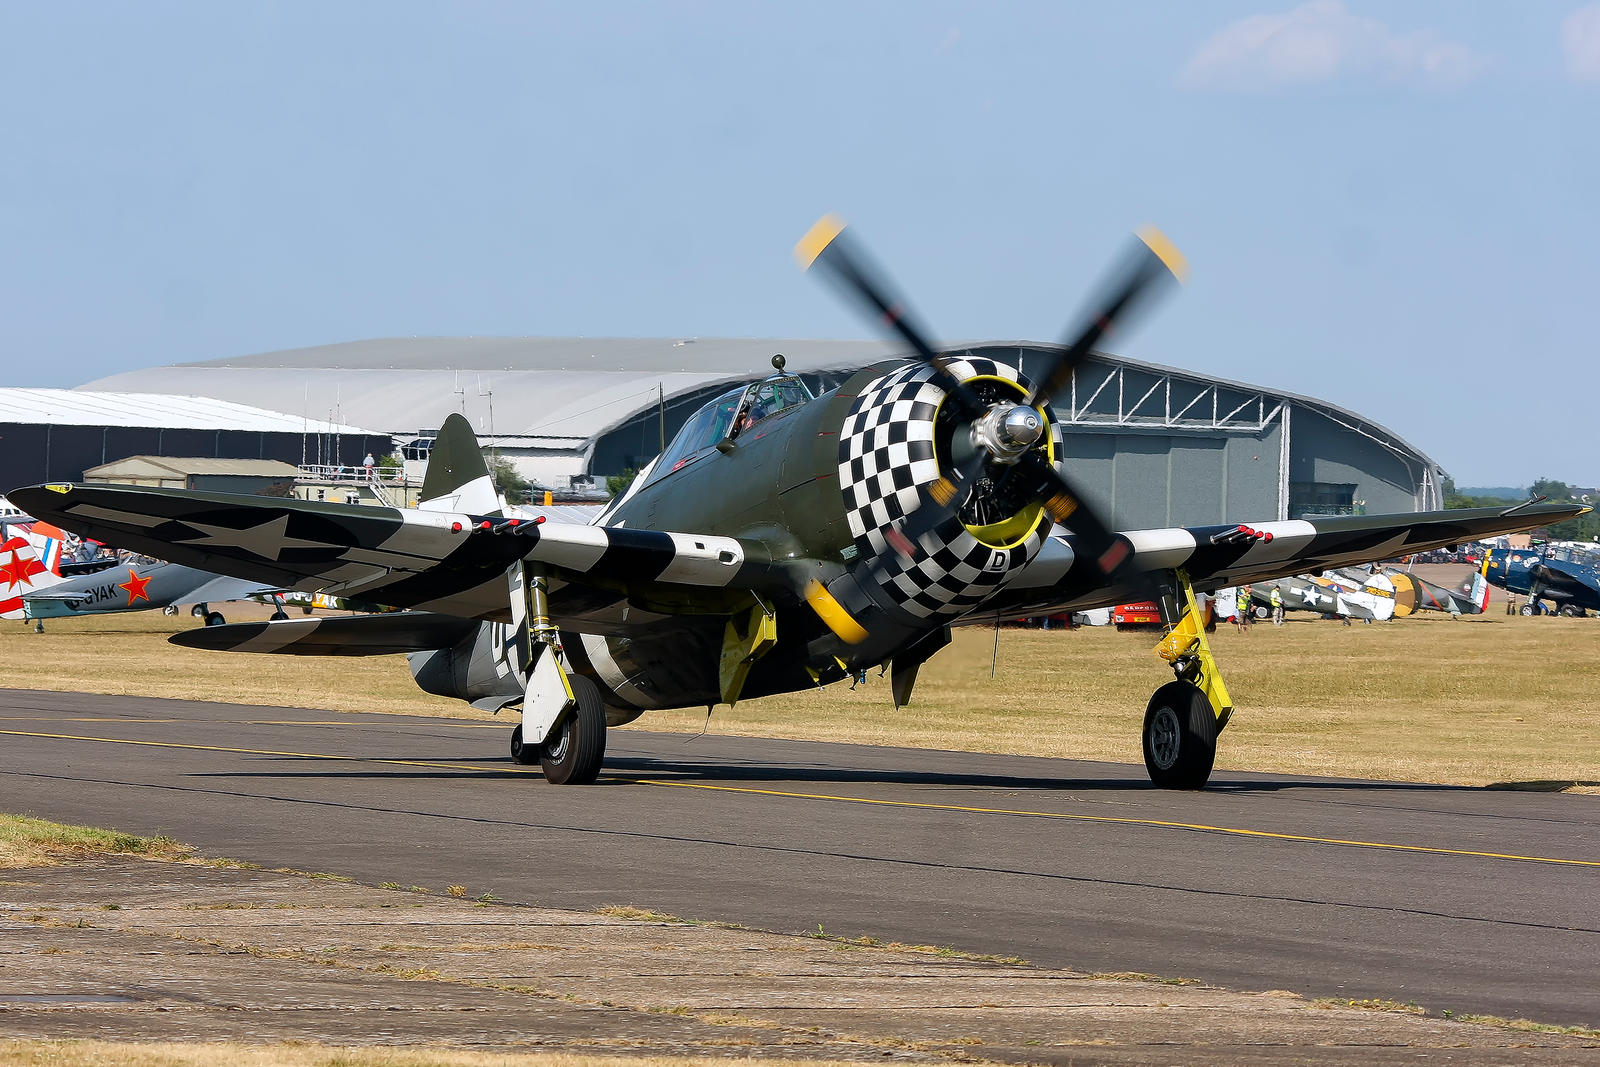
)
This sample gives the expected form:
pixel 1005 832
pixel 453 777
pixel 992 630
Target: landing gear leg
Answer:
pixel 563 717
pixel 1184 717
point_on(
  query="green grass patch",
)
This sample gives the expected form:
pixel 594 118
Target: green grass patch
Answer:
pixel 29 842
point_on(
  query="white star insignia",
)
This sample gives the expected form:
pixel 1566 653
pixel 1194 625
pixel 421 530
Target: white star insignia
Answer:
pixel 267 540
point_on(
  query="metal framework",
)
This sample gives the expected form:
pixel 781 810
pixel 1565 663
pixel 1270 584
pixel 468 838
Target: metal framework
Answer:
pixel 1209 406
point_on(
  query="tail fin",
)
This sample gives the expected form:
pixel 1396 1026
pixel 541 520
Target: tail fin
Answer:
pixel 1405 593
pixel 1385 605
pixel 48 542
pixel 20 572
pixel 1480 587
pixel 458 478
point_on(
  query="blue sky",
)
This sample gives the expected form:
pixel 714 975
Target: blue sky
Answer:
pixel 1392 207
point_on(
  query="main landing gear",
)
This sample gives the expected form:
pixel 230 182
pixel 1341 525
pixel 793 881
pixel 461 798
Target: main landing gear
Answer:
pixel 563 725
pixel 204 613
pixel 574 751
pixel 1184 717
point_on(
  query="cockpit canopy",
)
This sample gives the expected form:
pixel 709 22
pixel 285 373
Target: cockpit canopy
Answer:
pixel 1583 555
pixel 730 415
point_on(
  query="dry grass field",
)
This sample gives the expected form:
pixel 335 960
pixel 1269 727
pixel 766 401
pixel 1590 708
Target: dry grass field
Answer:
pixel 1494 699
pixel 234 1054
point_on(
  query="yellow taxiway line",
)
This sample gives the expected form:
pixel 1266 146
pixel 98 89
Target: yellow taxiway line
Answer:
pixel 1164 824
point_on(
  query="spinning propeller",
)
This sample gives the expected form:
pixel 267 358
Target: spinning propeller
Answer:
pixel 1003 435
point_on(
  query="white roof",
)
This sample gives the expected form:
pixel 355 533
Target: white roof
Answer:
pixel 552 393
pixel 74 407
pixel 567 389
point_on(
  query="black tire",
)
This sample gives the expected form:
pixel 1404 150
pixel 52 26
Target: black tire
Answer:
pixel 575 751
pixel 1526 609
pixel 524 754
pixel 1180 737
pixel 214 618
pixel 279 616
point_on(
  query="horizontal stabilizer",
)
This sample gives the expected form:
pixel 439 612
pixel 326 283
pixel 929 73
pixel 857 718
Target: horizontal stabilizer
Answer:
pixel 344 635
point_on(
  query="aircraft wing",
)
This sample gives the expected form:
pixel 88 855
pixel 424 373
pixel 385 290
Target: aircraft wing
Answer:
pixel 453 564
pixel 1217 556
pixel 54 597
pixel 333 635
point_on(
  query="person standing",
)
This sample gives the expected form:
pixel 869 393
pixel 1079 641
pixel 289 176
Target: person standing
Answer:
pixel 1277 607
pixel 370 463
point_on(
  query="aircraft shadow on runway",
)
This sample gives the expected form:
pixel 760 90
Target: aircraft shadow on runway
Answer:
pixel 624 770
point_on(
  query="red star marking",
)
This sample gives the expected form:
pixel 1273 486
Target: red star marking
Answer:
pixel 135 587
pixel 19 571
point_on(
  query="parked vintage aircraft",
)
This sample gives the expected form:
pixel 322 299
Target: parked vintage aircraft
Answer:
pixel 781 541
pixel 1566 575
pixel 1414 593
pixel 140 587
pixel 1366 596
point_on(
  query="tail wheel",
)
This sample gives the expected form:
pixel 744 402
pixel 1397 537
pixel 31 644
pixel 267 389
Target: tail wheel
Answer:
pixel 524 754
pixel 575 751
pixel 1180 737
pixel 214 618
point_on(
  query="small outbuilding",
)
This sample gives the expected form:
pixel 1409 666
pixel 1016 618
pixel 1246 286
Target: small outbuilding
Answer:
pixel 265 477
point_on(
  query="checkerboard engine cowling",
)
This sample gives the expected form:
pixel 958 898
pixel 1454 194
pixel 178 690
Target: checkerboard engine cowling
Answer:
pixel 885 452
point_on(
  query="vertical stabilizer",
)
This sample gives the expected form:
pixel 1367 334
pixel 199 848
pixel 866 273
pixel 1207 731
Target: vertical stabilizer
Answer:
pixel 21 571
pixel 1480 586
pixel 48 541
pixel 458 478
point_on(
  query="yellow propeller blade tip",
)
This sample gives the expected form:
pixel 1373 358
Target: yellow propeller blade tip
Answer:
pixel 818 238
pixel 1165 251
pixel 833 614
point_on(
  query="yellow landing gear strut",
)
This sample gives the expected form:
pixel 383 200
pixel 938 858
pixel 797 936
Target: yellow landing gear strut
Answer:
pixel 1184 716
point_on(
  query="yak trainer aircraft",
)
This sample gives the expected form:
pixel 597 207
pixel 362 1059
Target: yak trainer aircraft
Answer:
pixel 781 541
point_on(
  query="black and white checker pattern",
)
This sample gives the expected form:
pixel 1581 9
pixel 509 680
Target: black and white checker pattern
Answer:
pixel 885 452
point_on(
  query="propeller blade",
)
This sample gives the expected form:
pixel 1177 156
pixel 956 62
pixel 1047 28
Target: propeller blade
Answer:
pixel 1151 262
pixel 1107 550
pixel 827 245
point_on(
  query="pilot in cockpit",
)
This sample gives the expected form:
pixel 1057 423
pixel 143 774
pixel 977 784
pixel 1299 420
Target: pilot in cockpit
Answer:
pixel 754 411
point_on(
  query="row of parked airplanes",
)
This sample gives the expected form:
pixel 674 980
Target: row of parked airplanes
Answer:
pixel 36 584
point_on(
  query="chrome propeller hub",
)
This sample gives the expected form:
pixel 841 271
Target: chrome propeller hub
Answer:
pixel 1006 431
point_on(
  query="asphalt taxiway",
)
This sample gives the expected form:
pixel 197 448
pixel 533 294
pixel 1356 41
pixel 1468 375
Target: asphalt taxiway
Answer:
pixel 1456 899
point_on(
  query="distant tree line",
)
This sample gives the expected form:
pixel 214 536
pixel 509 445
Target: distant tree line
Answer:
pixel 1583 528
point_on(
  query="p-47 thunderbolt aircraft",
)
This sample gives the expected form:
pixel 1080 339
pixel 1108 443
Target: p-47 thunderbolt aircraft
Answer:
pixel 780 542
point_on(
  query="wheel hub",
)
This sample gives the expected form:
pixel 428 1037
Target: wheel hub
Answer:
pixel 1164 738
pixel 557 747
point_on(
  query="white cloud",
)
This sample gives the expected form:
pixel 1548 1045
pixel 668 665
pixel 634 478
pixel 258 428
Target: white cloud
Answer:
pixel 1320 41
pixel 1580 43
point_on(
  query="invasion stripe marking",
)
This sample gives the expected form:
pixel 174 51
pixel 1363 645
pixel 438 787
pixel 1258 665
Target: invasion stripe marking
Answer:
pixel 635 555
